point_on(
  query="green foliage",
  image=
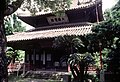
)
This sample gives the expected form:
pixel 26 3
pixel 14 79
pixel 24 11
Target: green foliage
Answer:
pixel 81 54
pixel 35 6
pixel 12 24
pixel 78 58
pixel 79 64
pixel 105 52
pixel 17 55
pixel 108 33
pixel 74 43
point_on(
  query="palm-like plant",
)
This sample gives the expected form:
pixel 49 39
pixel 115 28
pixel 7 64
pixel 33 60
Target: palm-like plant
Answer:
pixel 79 64
pixel 80 55
pixel 70 43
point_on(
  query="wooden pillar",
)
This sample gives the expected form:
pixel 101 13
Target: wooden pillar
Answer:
pixel 24 64
pixel 44 59
pixel 34 58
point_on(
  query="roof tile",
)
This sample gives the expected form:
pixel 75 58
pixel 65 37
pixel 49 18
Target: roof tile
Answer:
pixel 44 34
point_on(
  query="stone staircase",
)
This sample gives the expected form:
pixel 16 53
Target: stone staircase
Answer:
pixel 48 75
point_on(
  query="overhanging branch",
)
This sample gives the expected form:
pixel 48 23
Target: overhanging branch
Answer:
pixel 13 7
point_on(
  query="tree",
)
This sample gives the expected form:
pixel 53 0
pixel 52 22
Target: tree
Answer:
pixel 7 7
pixel 80 54
pixel 35 6
pixel 108 33
pixel 12 24
pixel 79 64
pixel 14 55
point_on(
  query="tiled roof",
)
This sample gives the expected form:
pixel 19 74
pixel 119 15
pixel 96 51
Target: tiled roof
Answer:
pixel 67 25
pixel 44 34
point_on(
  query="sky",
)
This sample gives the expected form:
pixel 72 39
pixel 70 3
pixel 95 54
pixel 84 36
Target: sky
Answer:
pixel 107 4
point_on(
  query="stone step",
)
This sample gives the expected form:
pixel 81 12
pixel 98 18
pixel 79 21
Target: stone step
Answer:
pixel 48 75
pixel 43 75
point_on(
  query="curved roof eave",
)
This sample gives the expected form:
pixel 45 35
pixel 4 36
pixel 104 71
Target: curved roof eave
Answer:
pixel 29 19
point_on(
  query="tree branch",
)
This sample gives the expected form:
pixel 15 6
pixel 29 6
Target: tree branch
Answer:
pixel 13 7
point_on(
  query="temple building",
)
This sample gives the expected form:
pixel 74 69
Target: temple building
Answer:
pixel 38 43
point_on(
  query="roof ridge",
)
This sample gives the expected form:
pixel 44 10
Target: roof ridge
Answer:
pixel 56 30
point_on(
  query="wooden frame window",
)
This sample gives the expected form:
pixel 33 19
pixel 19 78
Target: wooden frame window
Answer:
pixel 57 19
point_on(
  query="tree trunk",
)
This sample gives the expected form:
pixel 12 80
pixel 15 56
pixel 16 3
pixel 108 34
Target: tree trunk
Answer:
pixel 5 9
pixel 77 72
pixel 82 67
pixel 3 58
pixel 72 70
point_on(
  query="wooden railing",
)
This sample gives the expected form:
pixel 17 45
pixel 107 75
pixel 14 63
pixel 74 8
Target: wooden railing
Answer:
pixel 19 66
pixel 14 67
